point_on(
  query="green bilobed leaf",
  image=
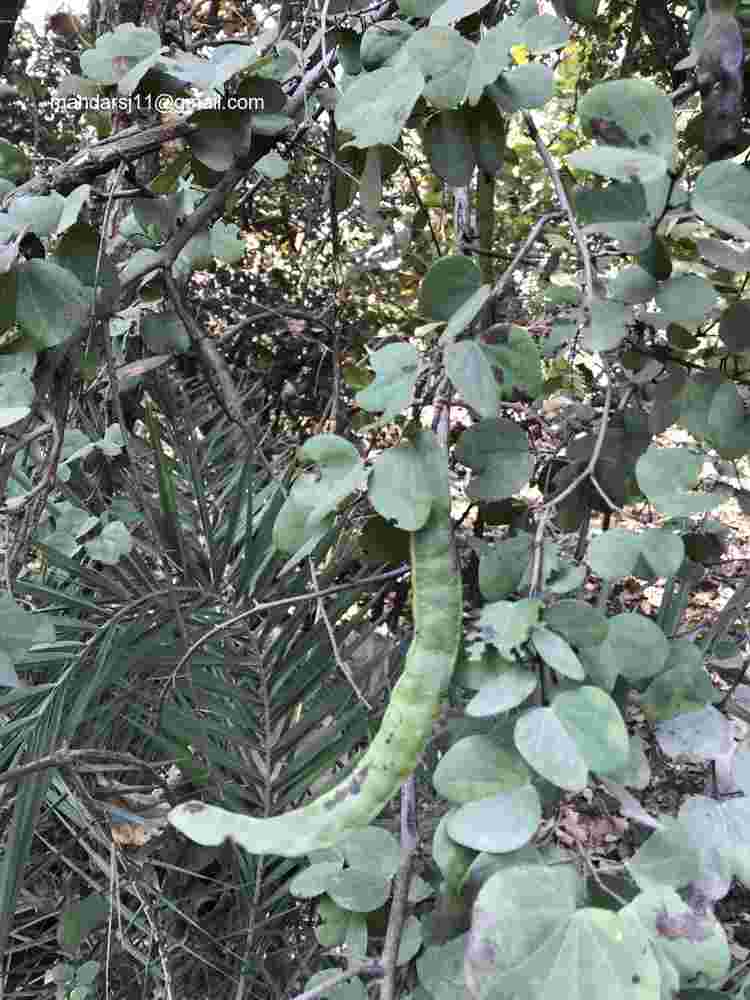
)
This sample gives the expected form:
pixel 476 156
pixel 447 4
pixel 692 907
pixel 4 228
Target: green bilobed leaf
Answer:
pixel 399 490
pixel 485 865
pixel 441 970
pixel 545 743
pixel 455 10
pixel 656 259
pixel 117 52
pixel 614 553
pixel 637 772
pixel 114 542
pixel 396 371
pixel 16 397
pixel 492 56
pixel 306 513
pixel 630 113
pixel 498 824
pixel 447 285
pixel 14 164
pixel 448 147
pixel 662 550
pixel 684 686
pixel 728 427
pixel 20 630
pixel 222 136
pixel 419 890
pixel 381 42
pixel 579 622
pixel 693 945
pixel 195 255
pixel 712 409
pixel 477 768
pixel 348 989
pixel 348 42
pixel 619 202
pixel 225 241
pixel 452 858
pixel 718 827
pixel 502 567
pixel 411 941
pixel 502 693
pixel 507 624
pixel 80 918
pixel 721 197
pixel 331 925
pixel 375 107
pixel 78 252
pixel 313 881
pixel 293 529
pixel 465 314
pixel 697 397
pixel 165 333
pixel 597 727
pixel 444 58
pixel 703 734
pixel 85 977
pixel 488 132
pixel 636 646
pixel 632 285
pixel 601 667
pixel 545 33
pixel 520 362
pixel 373 850
pixel 521 907
pixel 358 891
pixel 523 87
pixel 497 451
pixel 471 372
pixel 597 954
pixel 666 475
pixel 609 321
pixel 557 654
pixel 621 164
pixel 475 673
pixel 685 298
pixel 734 327
pixel 51 305
pixel 42 213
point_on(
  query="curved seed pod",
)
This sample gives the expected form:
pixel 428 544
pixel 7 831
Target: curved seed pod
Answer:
pixel 406 726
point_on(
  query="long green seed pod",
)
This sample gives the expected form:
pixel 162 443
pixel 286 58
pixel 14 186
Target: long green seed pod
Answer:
pixel 406 726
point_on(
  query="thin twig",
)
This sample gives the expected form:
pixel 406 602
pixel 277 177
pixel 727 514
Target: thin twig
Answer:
pixel 70 758
pixel 340 662
pixel 163 960
pixel 400 899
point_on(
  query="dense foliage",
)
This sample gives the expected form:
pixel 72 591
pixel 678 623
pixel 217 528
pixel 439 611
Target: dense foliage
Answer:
pixel 439 298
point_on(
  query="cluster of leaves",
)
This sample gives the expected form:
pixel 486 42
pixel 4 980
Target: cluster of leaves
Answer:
pixel 549 674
